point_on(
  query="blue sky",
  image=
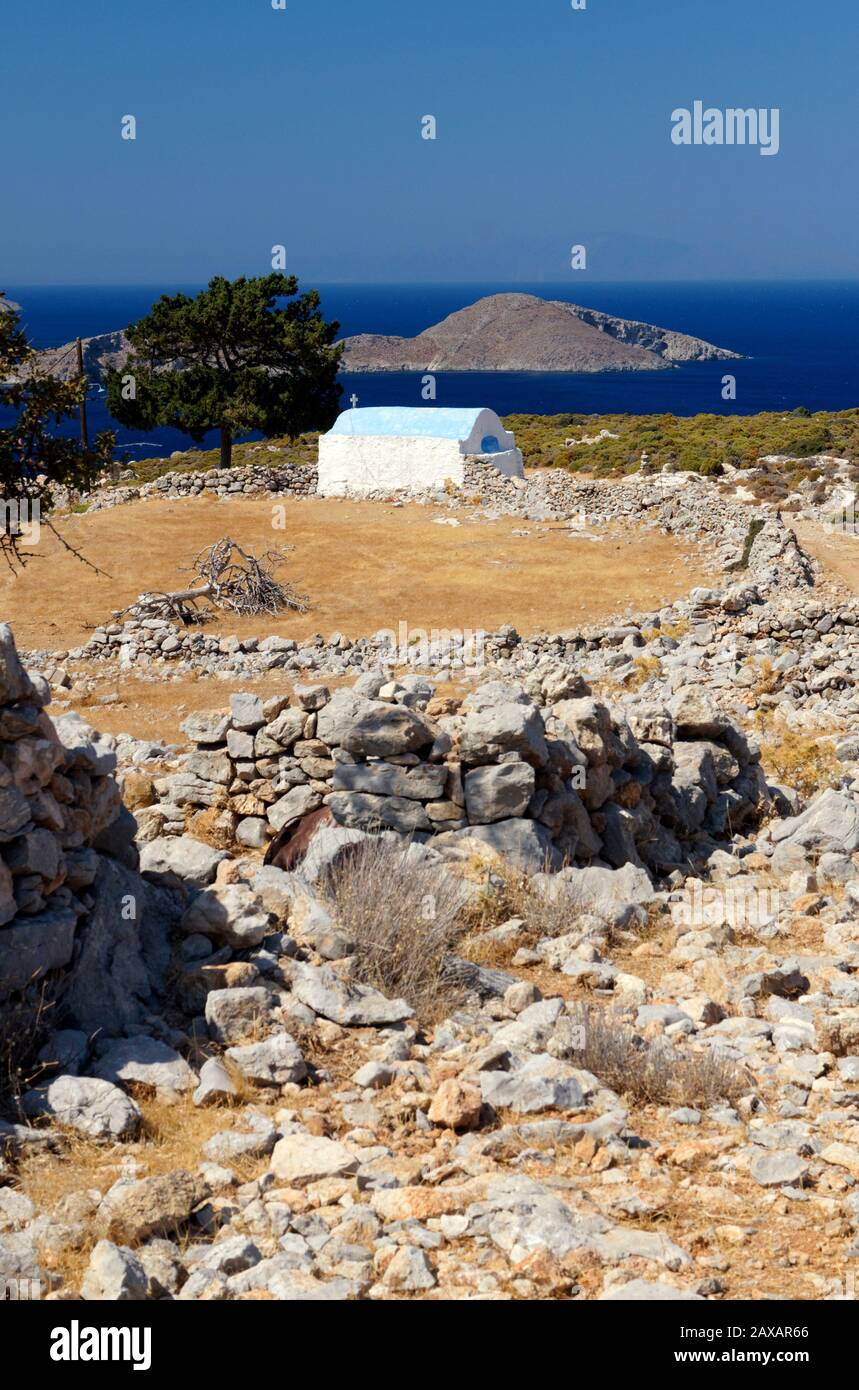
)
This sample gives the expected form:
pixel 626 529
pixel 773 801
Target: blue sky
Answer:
pixel 302 127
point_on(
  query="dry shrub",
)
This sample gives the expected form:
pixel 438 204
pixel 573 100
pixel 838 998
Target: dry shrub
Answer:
pixel 645 667
pixel 499 898
pixel 767 679
pixel 675 630
pixel 485 950
pixel 546 911
pixel 403 916
pixel 24 1026
pixel 804 761
pixel 651 1072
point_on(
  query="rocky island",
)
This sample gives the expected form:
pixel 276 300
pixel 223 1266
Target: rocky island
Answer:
pixel 523 333
pixel 500 333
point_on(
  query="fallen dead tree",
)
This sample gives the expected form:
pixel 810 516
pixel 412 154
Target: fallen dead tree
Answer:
pixel 229 579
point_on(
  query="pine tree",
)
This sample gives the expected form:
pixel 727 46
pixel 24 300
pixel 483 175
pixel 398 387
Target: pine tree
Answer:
pixel 231 359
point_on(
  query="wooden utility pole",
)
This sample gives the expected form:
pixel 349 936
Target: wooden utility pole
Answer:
pixel 84 429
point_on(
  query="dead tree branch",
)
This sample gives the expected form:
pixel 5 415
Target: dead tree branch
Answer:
pixel 231 579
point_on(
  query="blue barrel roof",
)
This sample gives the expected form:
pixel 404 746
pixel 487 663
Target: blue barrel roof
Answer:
pixel 408 421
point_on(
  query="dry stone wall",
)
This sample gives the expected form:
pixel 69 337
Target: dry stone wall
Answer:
pixel 253 480
pixel 543 777
pixel 72 906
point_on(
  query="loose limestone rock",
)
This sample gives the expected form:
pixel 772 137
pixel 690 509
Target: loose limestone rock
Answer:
pixel 276 1061
pixel 457 1104
pixel 115 1274
pixel 156 1206
pixel 234 1015
pixel 300 1159
pixel 351 1004
pixel 147 1060
pixel 88 1104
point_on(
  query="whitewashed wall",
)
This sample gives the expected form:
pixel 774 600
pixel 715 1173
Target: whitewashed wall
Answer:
pixel 361 464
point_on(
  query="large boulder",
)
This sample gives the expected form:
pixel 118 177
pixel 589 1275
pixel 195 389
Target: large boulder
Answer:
pixel 345 708
pixel 206 726
pixel 15 684
pixel 830 823
pixel 210 765
pixel 34 946
pixel 137 1210
pixel 123 952
pixel 363 811
pixel 85 747
pixel 696 717
pixel 281 733
pixel 489 733
pixel 523 844
pixel 492 693
pixel 115 1274
pixel 300 1159
pixel 328 847
pixel 387 730
pixel 14 812
pixel 179 861
pixel 234 1015
pixel 616 896
pixel 348 1003
pixel 499 792
pixel 590 724
pixel 275 1061
pixel 541 1083
pixel 294 804
pixel 247 711
pixel 422 783
pixel 144 1059
pixel 93 1107
pixel 231 913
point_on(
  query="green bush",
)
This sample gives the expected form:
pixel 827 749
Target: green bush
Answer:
pixel 705 444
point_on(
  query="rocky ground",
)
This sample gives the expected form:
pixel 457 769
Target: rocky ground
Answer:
pixel 561 1003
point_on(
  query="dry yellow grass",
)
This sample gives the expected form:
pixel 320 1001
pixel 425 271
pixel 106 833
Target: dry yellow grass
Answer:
pixel 172 1136
pixel 364 565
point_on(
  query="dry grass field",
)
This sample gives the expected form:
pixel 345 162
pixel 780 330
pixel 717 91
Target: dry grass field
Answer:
pixel 363 565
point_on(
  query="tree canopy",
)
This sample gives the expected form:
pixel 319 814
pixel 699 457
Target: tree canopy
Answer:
pixel 232 359
pixel 34 459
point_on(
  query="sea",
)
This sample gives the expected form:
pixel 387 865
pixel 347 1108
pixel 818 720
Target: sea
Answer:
pixel 800 346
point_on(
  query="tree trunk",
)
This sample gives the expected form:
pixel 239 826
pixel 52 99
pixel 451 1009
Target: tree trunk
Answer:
pixel 226 447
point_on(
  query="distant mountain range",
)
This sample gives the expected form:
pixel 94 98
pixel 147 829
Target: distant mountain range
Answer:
pixel 501 333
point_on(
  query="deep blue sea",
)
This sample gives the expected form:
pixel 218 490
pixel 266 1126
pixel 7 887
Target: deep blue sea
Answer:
pixel 800 342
